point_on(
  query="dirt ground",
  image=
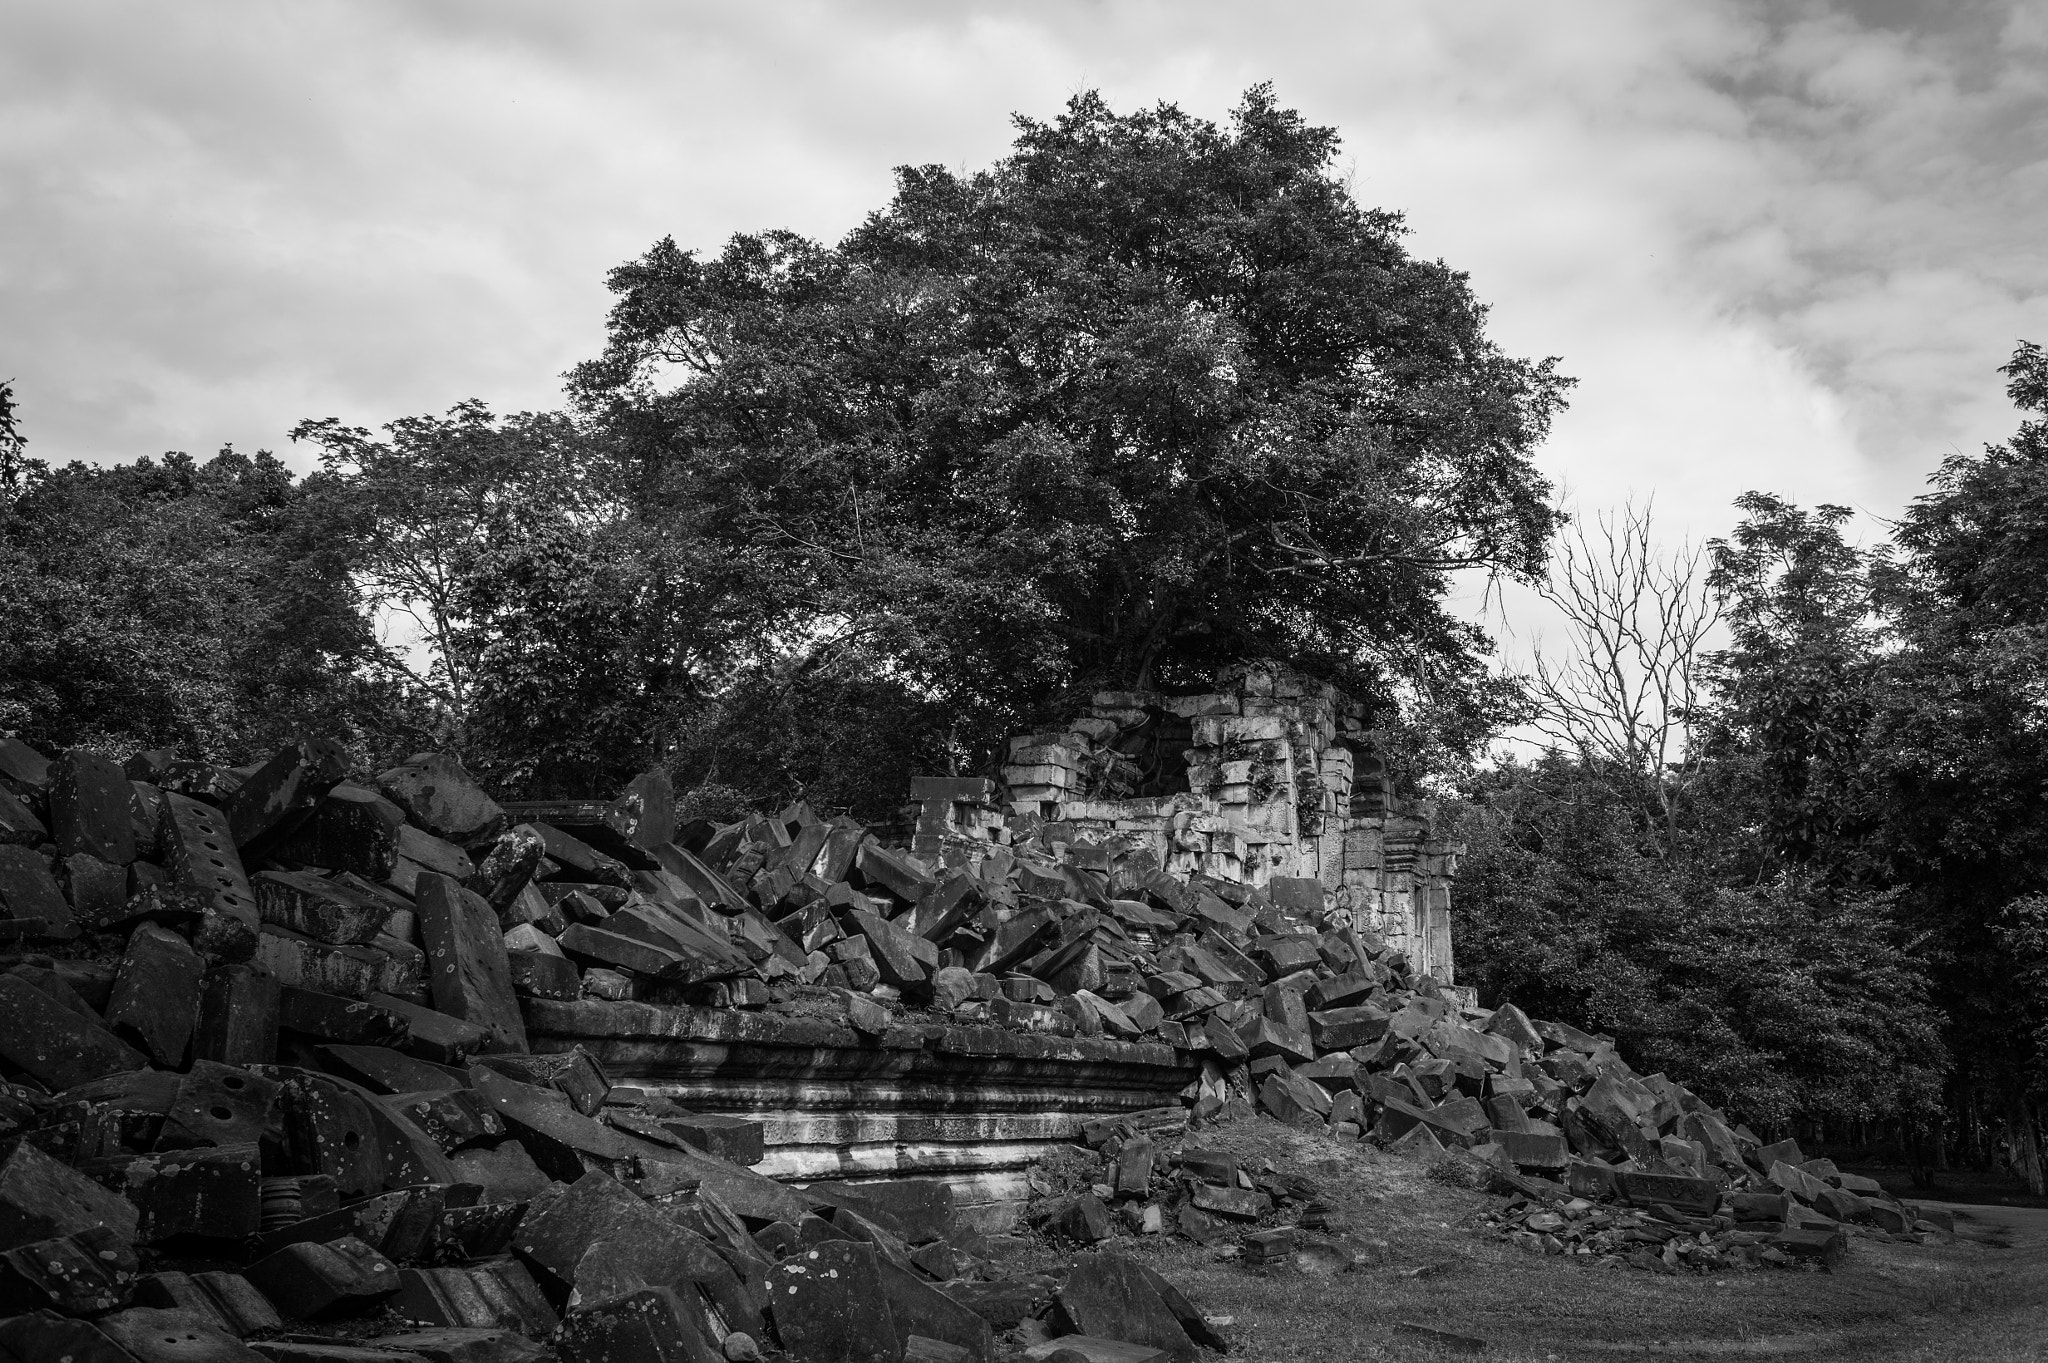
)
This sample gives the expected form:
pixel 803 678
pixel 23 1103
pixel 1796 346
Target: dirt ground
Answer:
pixel 1425 1260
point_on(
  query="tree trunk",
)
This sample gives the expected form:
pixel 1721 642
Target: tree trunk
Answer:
pixel 2026 1147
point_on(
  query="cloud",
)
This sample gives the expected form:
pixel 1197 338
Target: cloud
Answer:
pixel 1782 246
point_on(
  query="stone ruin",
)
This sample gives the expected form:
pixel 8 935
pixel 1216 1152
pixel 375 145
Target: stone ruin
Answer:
pixel 313 1065
pixel 1271 780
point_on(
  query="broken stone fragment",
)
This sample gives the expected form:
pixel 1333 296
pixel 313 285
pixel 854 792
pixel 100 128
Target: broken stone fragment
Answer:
pixel 200 858
pixel 342 1277
pixel 438 793
pixel 34 904
pixel 283 792
pixel 470 979
pixel 830 1306
pixel 89 807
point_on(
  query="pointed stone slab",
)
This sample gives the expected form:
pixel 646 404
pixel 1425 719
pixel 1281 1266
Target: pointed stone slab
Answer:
pixel 55 1044
pixel 156 993
pixel 40 1198
pixel 284 791
pixel 470 977
pixel 89 798
pixel 29 895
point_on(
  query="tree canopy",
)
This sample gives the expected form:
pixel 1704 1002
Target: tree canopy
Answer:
pixel 1147 396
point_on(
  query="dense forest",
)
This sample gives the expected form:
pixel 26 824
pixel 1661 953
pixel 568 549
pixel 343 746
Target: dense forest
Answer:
pixel 1146 396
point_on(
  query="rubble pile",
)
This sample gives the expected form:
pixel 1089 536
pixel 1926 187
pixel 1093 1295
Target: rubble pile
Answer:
pixel 268 1075
pixel 268 1092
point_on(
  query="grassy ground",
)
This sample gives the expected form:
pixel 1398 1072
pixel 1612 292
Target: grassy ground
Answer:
pixel 1426 1261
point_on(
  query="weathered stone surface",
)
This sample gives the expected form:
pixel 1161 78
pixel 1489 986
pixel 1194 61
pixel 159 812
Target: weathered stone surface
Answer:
pixel 156 993
pixel 283 791
pixel 438 793
pixel 1107 1296
pixel 227 1299
pixel 214 1193
pixel 237 1016
pixel 331 1129
pixel 342 1277
pixel 653 1325
pixel 20 825
pixel 154 1335
pixel 30 896
pixel 316 907
pixel 1534 1150
pixel 470 979
pixel 89 799
pixel 916 1308
pixel 831 1306
pixel 353 829
pixel 200 857
pixel 82 1274
pixel 41 1199
pixel 58 1045
pixel 555 1134
pixel 496 1294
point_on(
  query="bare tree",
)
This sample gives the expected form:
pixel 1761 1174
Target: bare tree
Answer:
pixel 1638 617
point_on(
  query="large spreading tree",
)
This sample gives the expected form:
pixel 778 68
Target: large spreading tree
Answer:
pixel 1147 396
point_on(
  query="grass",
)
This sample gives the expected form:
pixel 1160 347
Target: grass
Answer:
pixel 1423 1258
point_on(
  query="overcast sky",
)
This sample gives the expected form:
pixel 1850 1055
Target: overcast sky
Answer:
pixel 1781 245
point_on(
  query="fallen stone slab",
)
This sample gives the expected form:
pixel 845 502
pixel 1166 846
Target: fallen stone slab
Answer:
pixel 1107 1296
pixel 41 1198
pixel 470 979
pixel 157 1335
pixel 314 1280
pixel 831 1307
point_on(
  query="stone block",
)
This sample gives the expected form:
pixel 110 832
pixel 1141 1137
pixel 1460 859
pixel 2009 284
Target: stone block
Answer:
pixel 99 891
pixel 30 896
pixel 211 1193
pixel 1533 1150
pixel 539 975
pixel 82 1274
pixel 323 909
pixel 652 1325
pixel 330 1128
pixel 341 1278
pixel 200 858
pixel 283 791
pixel 894 872
pixel 41 1199
pixel 831 1306
pixel 739 1139
pixel 89 807
pixel 1696 1195
pixel 156 993
pixel 554 1134
pixel 19 824
pixel 219 1105
pixel 238 1009
pixel 438 794
pixel 229 1300
pixel 470 979
pixel 155 1335
pixel 498 1294
pixel 59 1046
pixel 353 829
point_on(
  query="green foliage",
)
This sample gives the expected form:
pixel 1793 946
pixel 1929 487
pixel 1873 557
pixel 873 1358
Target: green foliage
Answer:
pixel 1793 688
pixel 206 608
pixel 1865 855
pixel 833 729
pixel 1781 999
pixel 1146 397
